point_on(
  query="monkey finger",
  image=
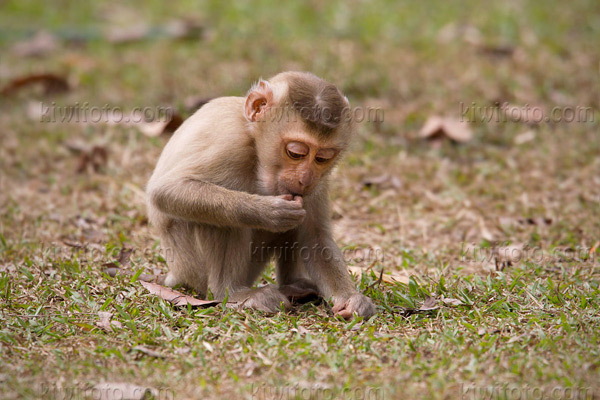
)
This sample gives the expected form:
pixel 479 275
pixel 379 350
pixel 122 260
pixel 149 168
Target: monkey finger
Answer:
pixel 285 197
pixel 298 199
pixel 345 313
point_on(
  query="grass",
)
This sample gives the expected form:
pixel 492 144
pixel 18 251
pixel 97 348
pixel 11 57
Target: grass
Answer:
pixel 519 329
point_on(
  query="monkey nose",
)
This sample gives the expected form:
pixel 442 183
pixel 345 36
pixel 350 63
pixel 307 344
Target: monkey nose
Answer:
pixel 303 184
pixel 305 180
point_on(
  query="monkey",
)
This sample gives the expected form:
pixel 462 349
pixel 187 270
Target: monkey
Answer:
pixel 244 177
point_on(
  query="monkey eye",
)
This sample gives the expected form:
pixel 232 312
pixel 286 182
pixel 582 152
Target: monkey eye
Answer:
pixel 324 156
pixel 322 160
pixel 296 150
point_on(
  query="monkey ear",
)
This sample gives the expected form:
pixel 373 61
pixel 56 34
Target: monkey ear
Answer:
pixel 258 101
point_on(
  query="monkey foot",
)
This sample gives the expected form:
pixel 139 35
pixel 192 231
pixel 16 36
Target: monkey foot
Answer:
pixel 267 299
pixel 356 304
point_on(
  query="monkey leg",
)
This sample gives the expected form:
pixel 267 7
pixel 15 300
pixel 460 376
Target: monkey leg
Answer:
pixel 180 250
pixel 221 260
pixel 291 275
pixel 233 268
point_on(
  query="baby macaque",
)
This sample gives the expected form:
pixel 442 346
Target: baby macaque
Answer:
pixel 244 180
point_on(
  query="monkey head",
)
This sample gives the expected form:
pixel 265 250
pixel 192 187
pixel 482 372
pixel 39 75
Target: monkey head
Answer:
pixel 300 125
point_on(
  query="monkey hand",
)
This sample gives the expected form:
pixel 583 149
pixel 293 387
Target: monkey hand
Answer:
pixel 282 213
pixel 355 304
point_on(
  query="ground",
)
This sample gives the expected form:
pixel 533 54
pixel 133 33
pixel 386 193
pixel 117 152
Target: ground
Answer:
pixel 444 213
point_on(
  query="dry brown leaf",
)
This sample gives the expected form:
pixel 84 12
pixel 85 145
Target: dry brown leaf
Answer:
pixel 436 128
pixel 524 137
pixel 40 44
pixel 300 330
pixel 452 302
pixel 209 347
pixel 104 321
pixel 124 257
pixel 51 84
pixel 511 254
pixel 394 277
pixel 429 304
pixel 90 157
pixel 509 222
pixel 497 51
pixel 147 351
pixel 383 181
pixel 177 298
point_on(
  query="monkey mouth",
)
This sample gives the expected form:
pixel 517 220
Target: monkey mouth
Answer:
pixel 292 193
pixel 284 190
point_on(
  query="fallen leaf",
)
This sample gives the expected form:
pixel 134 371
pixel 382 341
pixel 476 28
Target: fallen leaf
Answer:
pixel 452 302
pixel 147 351
pixel 250 367
pixel 104 321
pixel 92 235
pixel 524 137
pixel 537 221
pixel 436 128
pixel 40 44
pixel 511 254
pixel 124 257
pixel 177 298
pixel 429 304
pixel 498 51
pixel 394 277
pixel 76 245
pixel 515 339
pixel 383 181
pixel 208 346
pixel 264 358
pixel 90 157
pixel 121 391
pixel 300 330
pixel 51 84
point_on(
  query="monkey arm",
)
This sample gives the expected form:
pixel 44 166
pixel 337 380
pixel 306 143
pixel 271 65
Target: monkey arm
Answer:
pixel 326 266
pixel 322 257
pixel 203 202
